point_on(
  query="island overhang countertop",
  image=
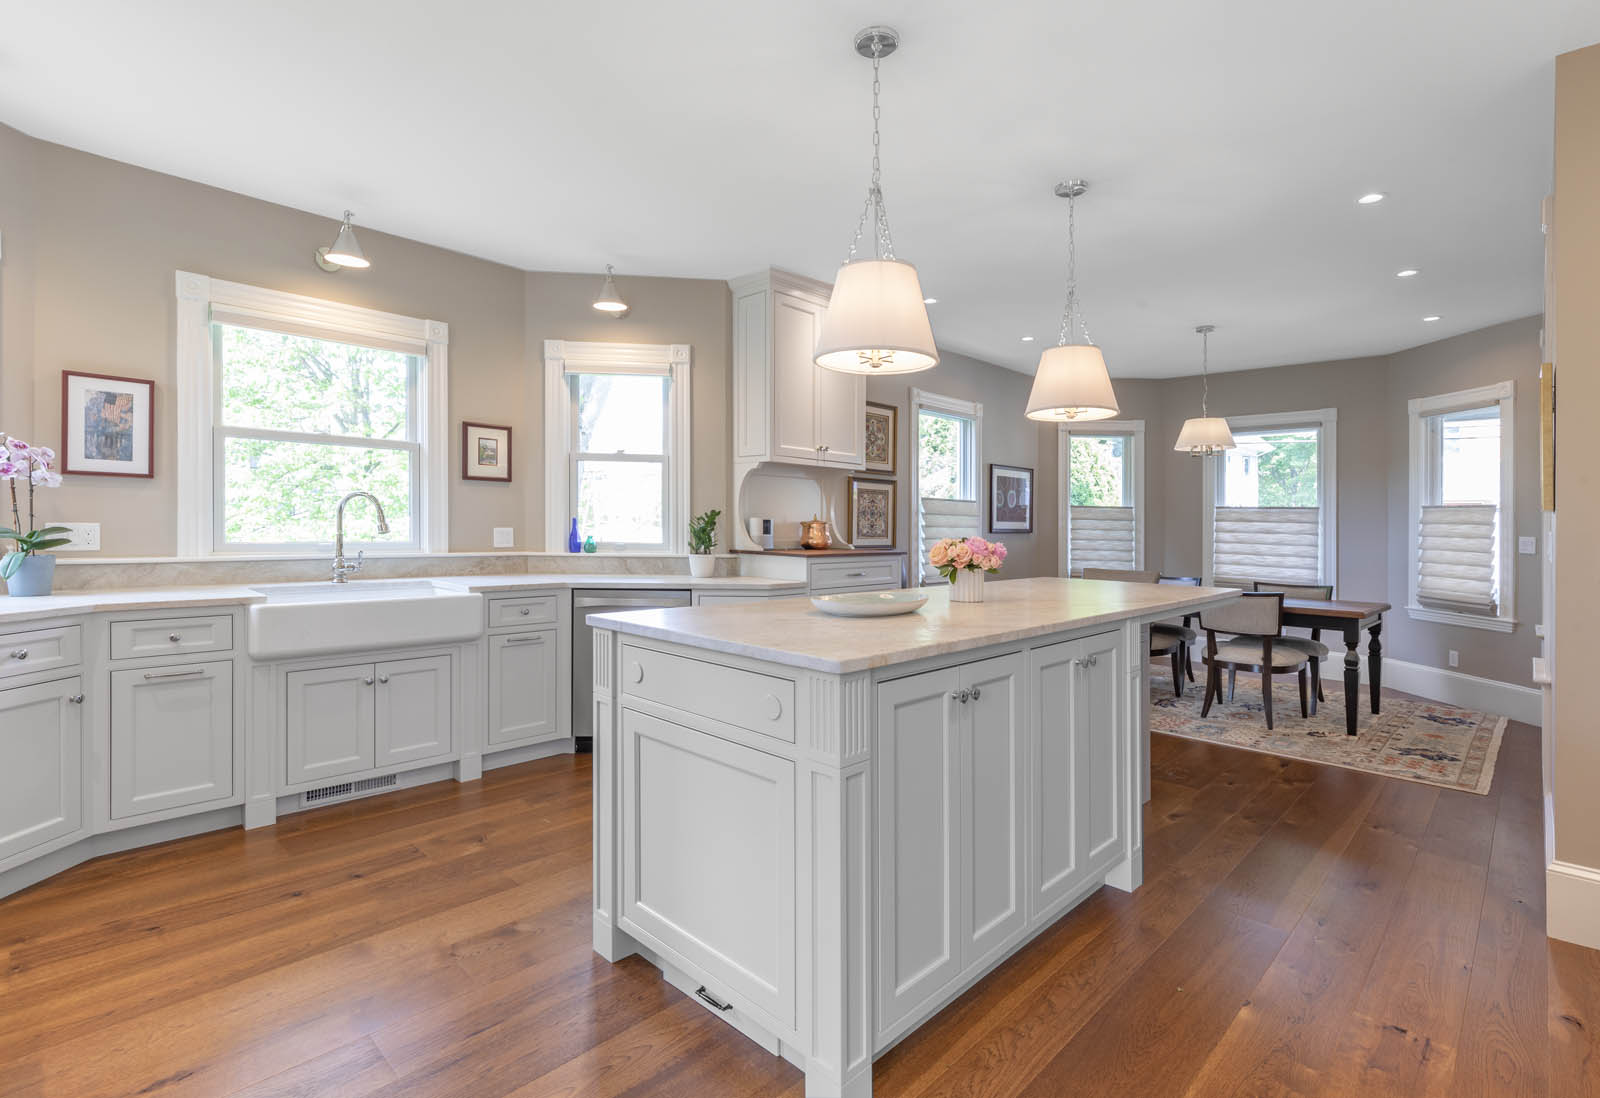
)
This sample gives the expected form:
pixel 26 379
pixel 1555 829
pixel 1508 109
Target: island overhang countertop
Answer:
pixel 793 632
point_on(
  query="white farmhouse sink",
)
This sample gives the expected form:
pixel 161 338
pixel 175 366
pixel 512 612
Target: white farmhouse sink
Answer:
pixel 311 619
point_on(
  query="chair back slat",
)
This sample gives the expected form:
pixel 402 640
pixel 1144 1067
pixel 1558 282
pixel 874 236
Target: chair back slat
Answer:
pixel 1255 614
pixel 1125 575
pixel 1180 581
pixel 1317 592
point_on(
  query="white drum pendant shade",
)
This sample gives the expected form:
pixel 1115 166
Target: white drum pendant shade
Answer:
pixel 876 322
pixel 1072 385
pixel 1209 435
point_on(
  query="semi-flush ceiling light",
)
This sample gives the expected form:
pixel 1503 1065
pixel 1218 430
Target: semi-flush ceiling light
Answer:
pixel 345 251
pixel 876 321
pixel 1071 382
pixel 609 300
pixel 1208 434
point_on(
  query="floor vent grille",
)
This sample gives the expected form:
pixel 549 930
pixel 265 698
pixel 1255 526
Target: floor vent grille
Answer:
pixel 348 791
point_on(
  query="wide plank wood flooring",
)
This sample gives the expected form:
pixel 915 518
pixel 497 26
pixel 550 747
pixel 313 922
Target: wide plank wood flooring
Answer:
pixel 1302 931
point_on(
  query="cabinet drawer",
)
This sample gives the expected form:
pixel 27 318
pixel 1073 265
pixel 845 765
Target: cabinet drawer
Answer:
pixel 40 650
pixel 761 703
pixel 851 575
pixel 170 636
pixel 537 610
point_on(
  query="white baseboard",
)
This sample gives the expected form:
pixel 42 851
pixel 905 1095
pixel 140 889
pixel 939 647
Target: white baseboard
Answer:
pixel 1572 903
pixel 1520 703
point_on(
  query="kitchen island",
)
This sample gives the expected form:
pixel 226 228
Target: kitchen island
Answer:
pixel 826 829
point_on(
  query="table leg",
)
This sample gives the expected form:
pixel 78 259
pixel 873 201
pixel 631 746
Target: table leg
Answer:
pixel 1375 662
pixel 1352 680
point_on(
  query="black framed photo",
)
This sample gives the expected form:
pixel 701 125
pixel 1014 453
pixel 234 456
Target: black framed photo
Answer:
pixel 1010 499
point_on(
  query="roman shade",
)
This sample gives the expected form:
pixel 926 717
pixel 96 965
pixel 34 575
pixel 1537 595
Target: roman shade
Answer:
pixel 1456 553
pixel 943 518
pixel 1100 537
pixel 1272 544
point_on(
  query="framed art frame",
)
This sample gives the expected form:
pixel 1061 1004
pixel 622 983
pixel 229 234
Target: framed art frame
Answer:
pixel 485 452
pixel 1010 499
pixel 872 511
pixel 882 438
pixel 107 425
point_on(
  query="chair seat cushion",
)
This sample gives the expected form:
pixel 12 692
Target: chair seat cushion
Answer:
pixel 1250 651
pixel 1162 643
pixel 1315 649
pixel 1179 632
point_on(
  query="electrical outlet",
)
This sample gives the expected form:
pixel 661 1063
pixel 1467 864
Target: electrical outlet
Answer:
pixel 503 537
pixel 1527 546
pixel 1455 658
pixel 85 537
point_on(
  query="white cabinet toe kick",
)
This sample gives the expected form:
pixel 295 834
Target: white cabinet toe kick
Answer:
pixel 826 860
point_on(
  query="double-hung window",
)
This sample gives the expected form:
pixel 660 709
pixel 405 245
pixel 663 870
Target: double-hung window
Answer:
pixel 1461 570
pixel 1270 501
pixel 1102 468
pixel 945 471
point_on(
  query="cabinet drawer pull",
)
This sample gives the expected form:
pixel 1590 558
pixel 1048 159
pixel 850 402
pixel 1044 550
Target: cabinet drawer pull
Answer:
pixel 1090 660
pixel 636 671
pixel 526 638
pixel 774 707
pixel 174 637
pixel 715 1002
pixel 19 654
pixel 175 674
pixel 76 699
pixel 854 575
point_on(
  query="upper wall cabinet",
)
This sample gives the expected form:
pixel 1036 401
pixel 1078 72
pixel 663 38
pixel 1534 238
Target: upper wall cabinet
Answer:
pixel 785 407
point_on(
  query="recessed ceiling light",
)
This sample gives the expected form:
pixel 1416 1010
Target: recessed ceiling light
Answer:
pixel 1409 272
pixel 1372 198
pixel 1429 319
pixel 1027 339
pixel 930 301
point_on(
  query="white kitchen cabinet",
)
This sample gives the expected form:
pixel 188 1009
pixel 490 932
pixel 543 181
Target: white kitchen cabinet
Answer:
pixel 412 710
pixel 523 687
pixel 1100 697
pixel 992 799
pixel 330 721
pixel 41 764
pixel 171 737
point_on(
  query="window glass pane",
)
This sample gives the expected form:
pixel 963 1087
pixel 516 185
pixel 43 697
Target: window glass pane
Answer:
pixel 1100 471
pixel 621 414
pixel 1469 456
pixel 278 492
pixel 1271 469
pixel 943 457
pixel 314 386
pixel 621 502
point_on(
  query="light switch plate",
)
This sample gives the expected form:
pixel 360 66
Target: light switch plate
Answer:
pixel 85 537
pixel 504 537
pixel 1527 546
pixel 1455 658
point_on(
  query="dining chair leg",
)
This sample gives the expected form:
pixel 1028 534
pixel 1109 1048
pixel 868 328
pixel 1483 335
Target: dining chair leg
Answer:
pixel 1316 685
pixel 1177 674
pixel 1266 694
pixel 1188 661
pixel 1232 672
pixel 1302 677
pixel 1213 685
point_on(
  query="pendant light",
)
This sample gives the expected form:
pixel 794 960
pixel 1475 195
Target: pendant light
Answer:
pixel 876 321
pixel 345 251
pixel 1071 383
pixel 609 300
pixel 1208 434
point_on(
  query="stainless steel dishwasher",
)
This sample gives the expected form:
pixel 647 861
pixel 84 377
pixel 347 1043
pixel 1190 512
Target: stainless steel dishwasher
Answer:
pixel 601 601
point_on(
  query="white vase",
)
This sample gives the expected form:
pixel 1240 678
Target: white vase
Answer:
pixel 967 586
pixel 701 565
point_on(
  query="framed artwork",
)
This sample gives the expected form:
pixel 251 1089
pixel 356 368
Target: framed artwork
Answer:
pixel 882 441
pixel 107 425
pixel 1010 499
pixel 871 514
pixel 485 452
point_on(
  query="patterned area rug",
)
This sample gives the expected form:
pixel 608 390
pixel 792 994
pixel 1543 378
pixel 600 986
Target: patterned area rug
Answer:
pixel 1420 741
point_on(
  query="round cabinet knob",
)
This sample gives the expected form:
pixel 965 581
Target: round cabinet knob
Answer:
pixel 774 707
pixel 383 678
pixel 76 699
pixel 19 654
pixel 367 682
pixel 525 611
pixel 174 637
pixel 976 691
pixel 636 671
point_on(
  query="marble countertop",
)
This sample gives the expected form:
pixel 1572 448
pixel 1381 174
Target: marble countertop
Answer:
pixel 794 633
pixel 821 554
pixel 150 598
pixel 621 582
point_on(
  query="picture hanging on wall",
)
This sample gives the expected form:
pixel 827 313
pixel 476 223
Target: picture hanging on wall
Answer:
pixel 881 441
pixel 485 452
pixel 1010 499
pixel 107 425
pixel 871 514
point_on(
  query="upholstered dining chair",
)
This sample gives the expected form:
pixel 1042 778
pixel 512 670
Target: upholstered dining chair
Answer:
pixel 1253 624
pixel 1162 641
pixel 1181 628
pixel 1312 646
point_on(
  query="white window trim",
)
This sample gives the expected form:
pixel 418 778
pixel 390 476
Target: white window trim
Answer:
pixel 1327 485
pixel 1418 409
pixel 1064 433
pixel 665 359
pixel 199 297
pixel 923 401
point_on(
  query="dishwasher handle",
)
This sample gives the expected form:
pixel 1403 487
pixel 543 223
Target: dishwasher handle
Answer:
pixel 642 602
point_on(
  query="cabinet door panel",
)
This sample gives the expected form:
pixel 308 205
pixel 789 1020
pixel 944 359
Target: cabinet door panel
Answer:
pixel 794 370
pixel 841 417
pixel 1057 868
pixel 522 687
pixel 916 760
pixel 171 737
pixel 329 713
pixel 412 716
pixel 992 816
pixel 1096 713
pixel 41 764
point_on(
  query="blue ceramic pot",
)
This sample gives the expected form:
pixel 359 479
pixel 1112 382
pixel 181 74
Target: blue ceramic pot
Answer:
pixel 34 577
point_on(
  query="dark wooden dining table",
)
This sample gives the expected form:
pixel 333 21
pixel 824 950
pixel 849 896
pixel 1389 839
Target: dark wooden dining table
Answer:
pixel 1348 619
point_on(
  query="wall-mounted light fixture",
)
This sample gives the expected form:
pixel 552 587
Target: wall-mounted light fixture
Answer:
pixel 345 251
pixel 609 300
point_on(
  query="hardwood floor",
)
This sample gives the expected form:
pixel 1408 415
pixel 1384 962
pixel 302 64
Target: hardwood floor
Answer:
pixel 1302 931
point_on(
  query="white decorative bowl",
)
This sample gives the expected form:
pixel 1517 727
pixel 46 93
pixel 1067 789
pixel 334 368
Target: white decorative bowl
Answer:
pixel 871 604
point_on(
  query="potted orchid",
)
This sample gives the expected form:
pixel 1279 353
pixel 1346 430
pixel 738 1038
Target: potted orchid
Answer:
pixel 28 570
pixel 963 561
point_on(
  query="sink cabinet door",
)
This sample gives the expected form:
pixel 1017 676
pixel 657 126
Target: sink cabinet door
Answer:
pixel 993 895
pixel 41 764
pixel 917 756
pixel 522 687
pixel 171 737
pixel 330 722
pixel 412 710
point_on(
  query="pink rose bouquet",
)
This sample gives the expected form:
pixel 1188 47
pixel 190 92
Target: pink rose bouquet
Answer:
pixel 952 555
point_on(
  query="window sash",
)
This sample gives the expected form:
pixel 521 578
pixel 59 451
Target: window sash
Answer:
pixel 573 377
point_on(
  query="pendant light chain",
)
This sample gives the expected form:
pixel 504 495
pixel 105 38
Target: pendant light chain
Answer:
pixel 883 244
pixel 1071 321
pixel 1205 372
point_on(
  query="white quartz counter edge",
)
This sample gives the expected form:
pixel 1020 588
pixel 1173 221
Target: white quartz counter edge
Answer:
pixel 620 582
pixel 93 602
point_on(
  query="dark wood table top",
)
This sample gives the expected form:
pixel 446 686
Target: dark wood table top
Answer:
pixel 1336 608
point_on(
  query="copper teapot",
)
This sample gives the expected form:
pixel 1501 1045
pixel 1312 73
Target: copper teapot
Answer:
pixel 815 534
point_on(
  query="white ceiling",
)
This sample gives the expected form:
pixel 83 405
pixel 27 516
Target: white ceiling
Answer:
pixel 1225 142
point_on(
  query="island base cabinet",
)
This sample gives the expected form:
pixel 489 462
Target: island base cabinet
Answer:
pixel 41 757
pixel 522 687
pixel 714 885
pixel 171 737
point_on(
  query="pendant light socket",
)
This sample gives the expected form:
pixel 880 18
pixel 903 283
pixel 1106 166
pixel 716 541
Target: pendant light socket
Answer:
pixel 345 251
pixel 609 300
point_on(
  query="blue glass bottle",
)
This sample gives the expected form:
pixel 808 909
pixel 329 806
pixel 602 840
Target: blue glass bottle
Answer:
pixel 574 542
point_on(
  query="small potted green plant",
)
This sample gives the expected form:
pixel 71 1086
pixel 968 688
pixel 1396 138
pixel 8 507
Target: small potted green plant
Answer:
pixel 702 540
pixel 27 569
